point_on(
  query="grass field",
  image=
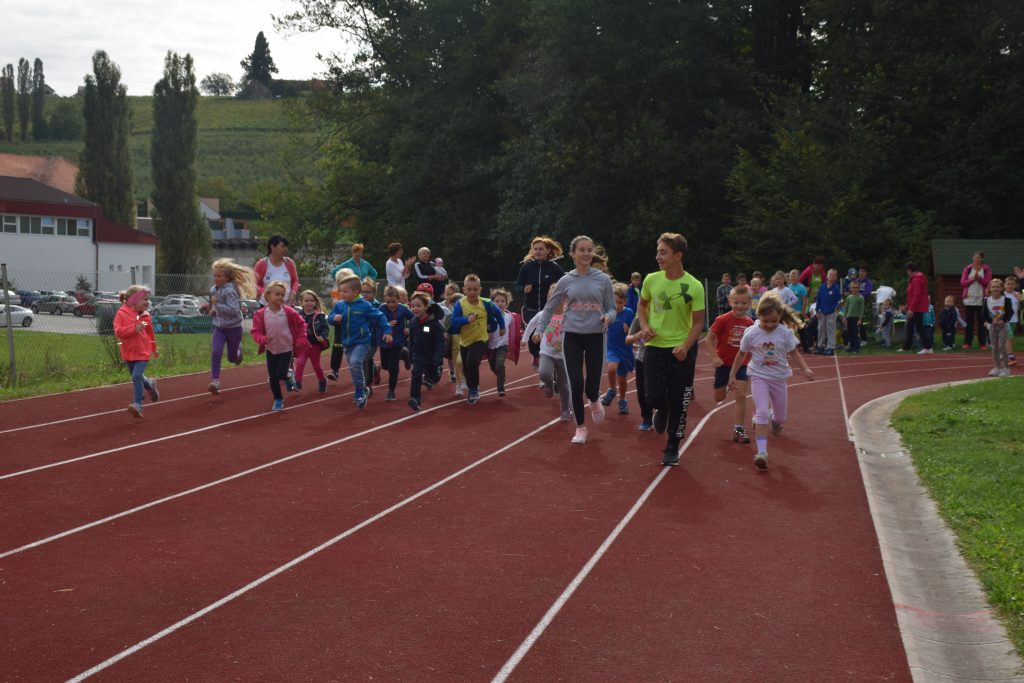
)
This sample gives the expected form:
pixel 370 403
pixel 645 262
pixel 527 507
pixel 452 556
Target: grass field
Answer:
pixel 967 443
pixel 243 142
pixel 49 363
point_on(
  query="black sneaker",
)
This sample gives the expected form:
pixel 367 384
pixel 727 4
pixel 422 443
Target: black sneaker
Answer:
pixel 660 421
pixel 671 457
pixel 391 396
pixel 739 435
pixel 333 376
pixel 414 404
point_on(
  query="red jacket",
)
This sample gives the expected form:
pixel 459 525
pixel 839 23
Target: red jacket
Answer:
pixel 966 280
pixel 134 345
pixel 260 269
pixel 917 293
pixel 296 323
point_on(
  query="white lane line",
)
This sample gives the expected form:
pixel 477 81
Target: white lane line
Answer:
pixel 305 556
pixel 555 608
pixel 237 475
pixel 842 398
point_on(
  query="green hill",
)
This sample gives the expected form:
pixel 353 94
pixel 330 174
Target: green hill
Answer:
pixel 243 142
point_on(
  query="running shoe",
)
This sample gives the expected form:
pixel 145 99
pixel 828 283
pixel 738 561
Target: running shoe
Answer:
pixel 1005 372
pixel 566 416
pixel 739 435
pixel 474 396
pixel 278 405
pixel 390 396
pixel 501 391
pixel 333 376
pixel 321 386
pixel 291 385
pixel 414 404
pixel 761 461
pixel 580 436
pixel 660 421
pixel 238 361
pixel 214 387
pixel 360 400
pixel 623 407
pixel 776 429
pixel 298 386
pixel 670 457
pixel 645 426
pixel 460 390
pixel 597 412
pixel 154 393
pixel 608 397
pixel 924 352
pixel 135 409
pixel 291 375
pixel 548 390
pixel 994 372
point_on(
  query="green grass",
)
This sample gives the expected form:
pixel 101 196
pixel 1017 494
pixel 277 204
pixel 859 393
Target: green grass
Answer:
pixel 967 443
pixel 244 142
pixel 49 363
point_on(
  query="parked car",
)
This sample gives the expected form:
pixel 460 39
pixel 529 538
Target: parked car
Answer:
pixel 176 305
pixel 55 304
pixel 88 306
pixel 52 292
pixel 249 307
pixel 28 297
pixel 19 316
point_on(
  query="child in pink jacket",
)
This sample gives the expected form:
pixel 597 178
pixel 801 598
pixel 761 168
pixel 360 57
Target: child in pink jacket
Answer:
pixel 280 331
pixel 134 331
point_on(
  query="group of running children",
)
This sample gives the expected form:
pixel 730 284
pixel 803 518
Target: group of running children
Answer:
pixel 419 332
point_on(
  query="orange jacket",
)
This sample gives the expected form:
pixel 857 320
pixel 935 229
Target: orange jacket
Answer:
pixel 134 345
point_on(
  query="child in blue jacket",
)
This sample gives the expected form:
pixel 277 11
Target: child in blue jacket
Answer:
pixel 398 317
pixel 360 323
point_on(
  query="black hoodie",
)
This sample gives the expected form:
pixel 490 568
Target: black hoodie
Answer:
pixel 426 339
pixel 540 274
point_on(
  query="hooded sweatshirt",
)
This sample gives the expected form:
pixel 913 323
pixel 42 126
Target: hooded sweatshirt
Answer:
pixel 590 297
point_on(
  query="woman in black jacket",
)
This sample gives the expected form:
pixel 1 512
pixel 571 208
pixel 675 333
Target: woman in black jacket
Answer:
pixel 538 272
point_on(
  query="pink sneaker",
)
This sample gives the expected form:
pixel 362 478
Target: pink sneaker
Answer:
pixel 597 411
pixel 580 436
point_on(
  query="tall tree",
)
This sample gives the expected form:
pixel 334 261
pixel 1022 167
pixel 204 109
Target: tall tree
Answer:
pixel 39 127
pixel 105 172
pixel 259 66
pixel 184 236
pixel 7 94
pixel 24 97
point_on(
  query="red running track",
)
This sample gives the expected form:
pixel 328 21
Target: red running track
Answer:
pixel 421 569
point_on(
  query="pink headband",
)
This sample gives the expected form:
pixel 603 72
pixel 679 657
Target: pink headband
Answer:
pixel 137 297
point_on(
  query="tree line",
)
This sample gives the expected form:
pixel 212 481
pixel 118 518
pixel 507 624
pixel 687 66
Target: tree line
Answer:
pixel 766 131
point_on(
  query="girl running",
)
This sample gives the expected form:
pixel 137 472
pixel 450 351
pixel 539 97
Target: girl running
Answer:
pixel 281 332
pixel 538 272
pixel 317 334
pixel 552 362
pixel 768 344
pixel 231 284
pixel 134 330
pixel 399 319
pixel 504 344
pixel 591 308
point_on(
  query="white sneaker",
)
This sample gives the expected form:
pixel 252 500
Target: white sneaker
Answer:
pixel 214 387
pixel 460 390
pixel 580 436
pixel 1005 372
pixel 924 352
pixel 994 372
pixel 597 411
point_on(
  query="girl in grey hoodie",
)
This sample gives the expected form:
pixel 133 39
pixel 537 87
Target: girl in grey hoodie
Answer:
pixel 591 305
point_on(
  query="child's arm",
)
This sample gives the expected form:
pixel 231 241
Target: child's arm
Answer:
pixel 711 342
pixel 457 320
pixel 633 336
pixel 808 373
pixel 320 328
pixel 259 330
pixel 737 363
pixel 383 326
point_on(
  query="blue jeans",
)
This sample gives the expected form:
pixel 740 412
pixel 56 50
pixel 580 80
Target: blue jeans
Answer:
pixel 356 355
pixel 139 380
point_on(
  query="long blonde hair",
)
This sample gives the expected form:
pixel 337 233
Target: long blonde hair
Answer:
pixel 772 303
pixel 243 278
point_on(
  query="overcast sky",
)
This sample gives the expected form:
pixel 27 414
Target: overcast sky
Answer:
pixel 137 35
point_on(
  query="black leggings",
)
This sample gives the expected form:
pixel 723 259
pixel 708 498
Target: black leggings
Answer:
pixel 277 369
pixel 337 350
pixel 528 314
pixel 974 319
pixel 583 351
pixel 471 357
pixel 669 386
pixel 389 361
pixel 646 413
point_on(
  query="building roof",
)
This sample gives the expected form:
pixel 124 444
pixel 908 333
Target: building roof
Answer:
pixel 24 195
pixel 57 172
pixel 950 257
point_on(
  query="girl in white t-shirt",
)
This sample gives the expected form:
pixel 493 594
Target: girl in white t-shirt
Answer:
pixel 769 343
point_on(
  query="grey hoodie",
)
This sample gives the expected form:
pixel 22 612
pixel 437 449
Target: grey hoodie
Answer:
pixel 590 297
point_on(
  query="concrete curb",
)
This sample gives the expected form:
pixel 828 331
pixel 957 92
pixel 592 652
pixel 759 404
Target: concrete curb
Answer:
pixel 948 629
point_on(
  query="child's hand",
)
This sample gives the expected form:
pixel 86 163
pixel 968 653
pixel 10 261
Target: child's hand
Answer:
pixel 625 328
pixel 732 384
pixel 321 340
pixel 337 318
pixel 502 333
pixel 535 338
pixel 471 318
pixel 604 322
pixel 388 338
pixel 717 361
pixel 809 374
pixel 156 354
pixel 648 333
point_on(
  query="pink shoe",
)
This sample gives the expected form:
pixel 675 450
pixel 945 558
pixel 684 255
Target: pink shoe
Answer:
pixel 580 436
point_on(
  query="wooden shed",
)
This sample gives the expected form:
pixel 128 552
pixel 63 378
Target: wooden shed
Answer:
pixel 950 257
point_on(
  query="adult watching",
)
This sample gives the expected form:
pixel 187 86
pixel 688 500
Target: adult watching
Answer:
pixel 276 266
pixel 974 281
pixel 397 270
pixel 356 264
pixel 424 272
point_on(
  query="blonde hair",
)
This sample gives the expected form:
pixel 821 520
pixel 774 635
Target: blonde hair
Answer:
pixel 740 290
pixel 344 274
pixel 243 277
pixel 125 294
pixel 501 291
pixel 472 277
pixel 358 246
pixel 620 289
pixel 419 296
pixel 451 287
pixel 996 281
pixel 369 281
pixel 316 298
pixel 554 248
pixel 273 284
pixel 391 290
pixel 772 303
